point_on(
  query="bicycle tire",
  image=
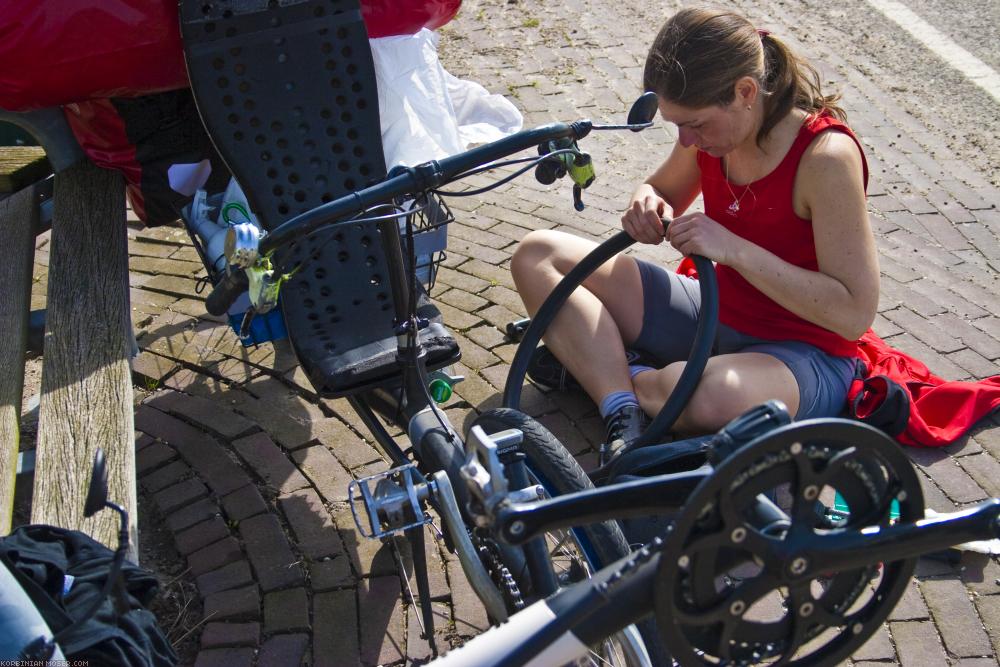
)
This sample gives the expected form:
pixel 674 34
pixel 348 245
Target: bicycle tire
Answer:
pixel 559 473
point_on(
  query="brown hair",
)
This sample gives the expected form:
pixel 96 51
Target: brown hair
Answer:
pixel 700 54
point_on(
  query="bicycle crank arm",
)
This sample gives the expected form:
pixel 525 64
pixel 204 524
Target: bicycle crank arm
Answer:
pixel 871 546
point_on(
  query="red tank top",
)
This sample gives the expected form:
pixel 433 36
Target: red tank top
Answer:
pixel 766 216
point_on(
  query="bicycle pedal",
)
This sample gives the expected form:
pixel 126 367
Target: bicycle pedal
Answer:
pixel 392 500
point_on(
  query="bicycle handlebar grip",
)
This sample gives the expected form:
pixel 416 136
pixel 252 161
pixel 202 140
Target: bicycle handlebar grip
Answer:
pixel 226 292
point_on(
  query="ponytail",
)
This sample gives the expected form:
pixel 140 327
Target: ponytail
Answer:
pixel 791 83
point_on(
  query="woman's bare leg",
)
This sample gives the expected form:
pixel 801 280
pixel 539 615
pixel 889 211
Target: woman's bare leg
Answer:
pixel 598 320
pixel 730 385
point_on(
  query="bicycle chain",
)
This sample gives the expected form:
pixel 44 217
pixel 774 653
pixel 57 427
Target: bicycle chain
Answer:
pixel 499 573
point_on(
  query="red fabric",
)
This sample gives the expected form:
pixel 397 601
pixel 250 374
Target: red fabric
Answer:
pixel 393 17
pixel 940 411
pixel 766 217
pixel 54 52
pixel 101 133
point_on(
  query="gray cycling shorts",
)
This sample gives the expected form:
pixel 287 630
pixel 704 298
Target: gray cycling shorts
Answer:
pixel 670 306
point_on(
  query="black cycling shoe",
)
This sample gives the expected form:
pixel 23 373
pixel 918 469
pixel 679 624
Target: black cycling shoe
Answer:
pixel 546 370
pixel 624 427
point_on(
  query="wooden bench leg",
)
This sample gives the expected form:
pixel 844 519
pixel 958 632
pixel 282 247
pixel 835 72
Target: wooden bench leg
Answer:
pixel 86 380
pixel 18 215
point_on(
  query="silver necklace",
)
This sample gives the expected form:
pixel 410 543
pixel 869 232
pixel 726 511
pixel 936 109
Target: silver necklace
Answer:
pixel 734 208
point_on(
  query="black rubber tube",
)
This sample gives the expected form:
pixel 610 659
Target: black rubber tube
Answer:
pixel 708 318
pixel 224 294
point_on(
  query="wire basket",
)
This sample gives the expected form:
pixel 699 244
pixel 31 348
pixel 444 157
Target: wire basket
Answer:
pixel 429 221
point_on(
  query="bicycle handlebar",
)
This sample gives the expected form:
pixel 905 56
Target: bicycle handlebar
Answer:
pixel 420 178
pixel 224 294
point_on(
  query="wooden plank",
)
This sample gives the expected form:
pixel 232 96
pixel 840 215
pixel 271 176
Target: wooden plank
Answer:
pixel 18 218
pixel 20 166
pixel 86 383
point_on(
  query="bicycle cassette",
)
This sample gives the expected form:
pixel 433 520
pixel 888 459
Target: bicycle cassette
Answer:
pixel 734 589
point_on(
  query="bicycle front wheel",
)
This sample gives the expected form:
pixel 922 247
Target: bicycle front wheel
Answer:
pixel 578 552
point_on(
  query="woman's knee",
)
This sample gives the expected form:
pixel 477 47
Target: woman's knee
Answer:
pixel 533 253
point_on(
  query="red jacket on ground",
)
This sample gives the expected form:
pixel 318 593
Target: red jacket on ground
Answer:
pixel 899 394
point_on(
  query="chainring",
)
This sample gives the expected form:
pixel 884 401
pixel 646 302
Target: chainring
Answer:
pixel 730 591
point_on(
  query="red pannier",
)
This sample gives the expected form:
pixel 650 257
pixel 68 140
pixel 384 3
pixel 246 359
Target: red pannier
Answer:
pixel 54 52
pixel 117 66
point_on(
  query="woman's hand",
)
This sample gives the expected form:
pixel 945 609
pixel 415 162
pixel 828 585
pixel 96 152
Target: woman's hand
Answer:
pixel 698 234
pixel 642 221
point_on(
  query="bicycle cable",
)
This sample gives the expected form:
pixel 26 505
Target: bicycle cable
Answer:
pixel 534 162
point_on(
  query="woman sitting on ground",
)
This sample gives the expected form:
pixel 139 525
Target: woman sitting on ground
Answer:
pixel 783 182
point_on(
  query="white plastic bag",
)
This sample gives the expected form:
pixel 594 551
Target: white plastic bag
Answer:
pixel 426 112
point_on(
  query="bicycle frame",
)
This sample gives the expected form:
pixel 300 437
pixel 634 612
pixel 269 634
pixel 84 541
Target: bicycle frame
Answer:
pixel 559 630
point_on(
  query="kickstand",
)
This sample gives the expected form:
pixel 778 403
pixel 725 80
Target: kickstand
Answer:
pixel 416 538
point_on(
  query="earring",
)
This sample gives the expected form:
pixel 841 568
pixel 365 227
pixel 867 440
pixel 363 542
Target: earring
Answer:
pixel 749 107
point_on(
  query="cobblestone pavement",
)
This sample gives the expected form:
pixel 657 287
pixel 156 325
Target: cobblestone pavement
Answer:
pixel 248 469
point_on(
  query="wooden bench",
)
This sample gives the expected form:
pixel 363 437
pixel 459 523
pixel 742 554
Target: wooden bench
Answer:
pixel 86 396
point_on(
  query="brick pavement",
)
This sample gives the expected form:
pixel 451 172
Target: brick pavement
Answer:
pixel 248 468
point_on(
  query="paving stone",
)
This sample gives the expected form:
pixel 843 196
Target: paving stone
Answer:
pixel 286 611
pixel 878 647
pixel 178 495
pixel 194 383
pixel 225 657
pixel 201 451
pixel 980 573
pixel 337 613
pixel 227 577
pixel 201 535
pixel 462 280
pixel 238 604
pixel 470 615
pixel 244 503
pixel 436 578
pixel 462 300
pixel 208 413
pixel 975 662
pixel 418 649
pixel 315 533
pixel 216 635
pixel 985 470
pixel 200 511
pixel 283 651
pixel 955 482
pixel 910 606
pixel 368 557
pixel 349 448
pixel 168 475
pixel 152 457
pixel 989 610
pixel 942 340
pixel 383 637
pixel 331 573
pixel 324 471
pixel 274 564
pixel 956 617
pixel 152 368
pixel 486 337
pixel 918 644
pixel 225 551
pixel 270 464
